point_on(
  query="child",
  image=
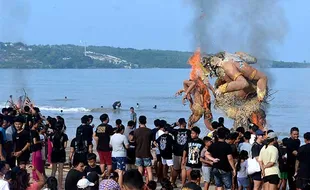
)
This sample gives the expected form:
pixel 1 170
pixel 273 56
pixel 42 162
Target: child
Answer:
pixel 92 166
pixel 242 177
pixel 192 152
pixel 206 164
pixel 131 157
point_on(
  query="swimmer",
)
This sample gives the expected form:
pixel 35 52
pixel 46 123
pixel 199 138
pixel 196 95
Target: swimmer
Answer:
pixel 138 105
pixel 117 104
pixel 155 107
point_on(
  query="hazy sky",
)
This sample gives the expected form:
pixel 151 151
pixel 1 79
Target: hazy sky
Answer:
pixel 142 24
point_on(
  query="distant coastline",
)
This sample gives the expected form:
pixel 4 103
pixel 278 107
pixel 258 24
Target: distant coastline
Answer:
pixel 22 56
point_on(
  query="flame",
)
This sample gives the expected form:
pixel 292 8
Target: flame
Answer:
pixel 194 61
pixel 197 75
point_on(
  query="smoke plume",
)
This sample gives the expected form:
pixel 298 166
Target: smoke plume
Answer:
pixel 14 16
pixel 252 26
pixel 13 19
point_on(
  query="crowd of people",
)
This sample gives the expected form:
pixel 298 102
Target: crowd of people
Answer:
pixel 145 156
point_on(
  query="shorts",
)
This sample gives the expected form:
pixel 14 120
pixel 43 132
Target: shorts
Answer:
pixel 143 162
pixel 283 175
pixel 177 162
pixel 187 168
pixel 272 179
pixel 222 178
pixel 302 183
pixel 105 157
pixel 167 162
pixel 257 176
pixel 206 173
pixel 119 163
pixel 243 181
pixel 58 156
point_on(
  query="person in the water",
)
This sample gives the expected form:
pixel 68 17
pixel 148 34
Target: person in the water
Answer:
pixel 116 105
pixel 155 107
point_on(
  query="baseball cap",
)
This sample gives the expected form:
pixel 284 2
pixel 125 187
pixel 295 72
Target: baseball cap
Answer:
pixel 272 135
pixel 83 183
pixel 182 120
pixel 259 132
pixel 92 177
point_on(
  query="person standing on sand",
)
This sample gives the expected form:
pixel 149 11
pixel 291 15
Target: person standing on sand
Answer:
pixel 292 146
pixel 143 138
pixel 102 138
pixel 36 147
pixel 21 142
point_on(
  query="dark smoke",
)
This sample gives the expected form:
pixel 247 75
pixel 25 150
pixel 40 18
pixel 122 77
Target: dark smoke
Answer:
pixel 14 16
pixel 253 26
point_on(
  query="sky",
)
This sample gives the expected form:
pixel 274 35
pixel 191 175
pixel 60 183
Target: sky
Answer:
pixel 144 24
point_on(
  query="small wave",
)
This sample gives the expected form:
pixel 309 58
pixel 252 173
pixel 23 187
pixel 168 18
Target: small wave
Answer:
pixel 58 109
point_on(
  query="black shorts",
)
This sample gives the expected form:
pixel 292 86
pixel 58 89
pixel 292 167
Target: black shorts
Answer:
pixel 257 176
pixel 58 156
pixel 302 184
pixel 272 179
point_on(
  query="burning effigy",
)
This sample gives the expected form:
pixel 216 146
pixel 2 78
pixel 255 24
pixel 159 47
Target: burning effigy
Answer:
pixel 196 91
pixel 240 89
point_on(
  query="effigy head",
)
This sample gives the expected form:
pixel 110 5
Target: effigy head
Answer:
pixel 212 63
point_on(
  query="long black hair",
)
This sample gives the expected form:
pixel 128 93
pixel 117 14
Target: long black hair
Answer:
pixel 243 155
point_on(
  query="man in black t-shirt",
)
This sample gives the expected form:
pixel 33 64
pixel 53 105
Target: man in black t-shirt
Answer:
pixel 21 142
pixel 165 144
pixel 292 146
pixel 181 137
pixel 102 138
pixel 223 168
pixel 191 153
pixel 303 164
pixel 87 131
pixel 74 175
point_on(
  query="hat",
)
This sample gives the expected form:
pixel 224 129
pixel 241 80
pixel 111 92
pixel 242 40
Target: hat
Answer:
pixel 92 177
pixel 109 184
pixel 259 132
pixel 272 135
pixel 83 183
pixel 182 120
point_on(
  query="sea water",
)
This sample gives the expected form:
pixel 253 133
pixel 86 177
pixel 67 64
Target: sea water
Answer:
pixel 93 91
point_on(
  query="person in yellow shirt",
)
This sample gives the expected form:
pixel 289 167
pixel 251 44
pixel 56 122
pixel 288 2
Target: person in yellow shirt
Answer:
pixel 268 160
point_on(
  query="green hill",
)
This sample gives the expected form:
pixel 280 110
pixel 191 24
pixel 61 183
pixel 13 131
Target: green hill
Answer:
pixel 19 55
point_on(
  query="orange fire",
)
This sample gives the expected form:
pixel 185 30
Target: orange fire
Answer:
pixel 194 61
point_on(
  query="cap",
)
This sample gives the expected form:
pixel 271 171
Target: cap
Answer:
pixel 259 132
pixel 92 177
pixel 272 135
pixel 182 120
pixel 83 183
